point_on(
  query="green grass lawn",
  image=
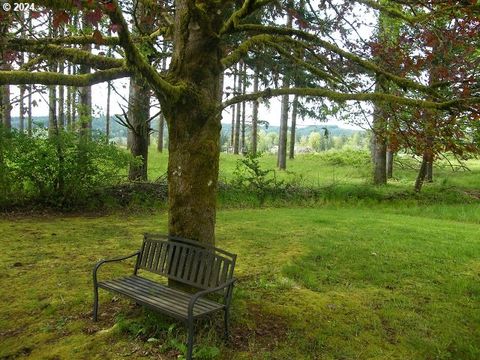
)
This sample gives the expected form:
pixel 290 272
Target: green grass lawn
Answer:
pixel 397 280
pixel 324 169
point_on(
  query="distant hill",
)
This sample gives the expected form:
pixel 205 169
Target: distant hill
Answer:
pixel 98 124
pixel 333 130
pixel 118 131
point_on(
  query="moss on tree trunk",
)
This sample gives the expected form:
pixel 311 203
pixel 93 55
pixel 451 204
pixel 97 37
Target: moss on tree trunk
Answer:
pixel 194 122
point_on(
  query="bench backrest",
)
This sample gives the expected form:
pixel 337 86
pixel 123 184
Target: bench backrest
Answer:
pixel 186 261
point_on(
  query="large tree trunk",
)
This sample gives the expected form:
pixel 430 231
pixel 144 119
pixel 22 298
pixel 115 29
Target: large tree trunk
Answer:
pixel 22 88
pixel 21 111
pixel 422 173
pixel 161 126
pixel 194 127
pixel 52 107
pixel 109 95
pixel 255 116
pixel 29 89
pixel 379 139
pixel 236 138
pixel 5 105
pixel 293 128
pixel 243 146
pixel 139 109
pixel 52 91
pixel 429 174
pixel 85 96
pixel 389 163
pixel 69 102
pixel 29 111
pixel 61 90
pixel 282 138
pixel 283 134
pixel 232 129
pixel 107 113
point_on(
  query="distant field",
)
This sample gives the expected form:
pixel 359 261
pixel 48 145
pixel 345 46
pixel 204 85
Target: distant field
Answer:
pixel 391 281
pixel 324 170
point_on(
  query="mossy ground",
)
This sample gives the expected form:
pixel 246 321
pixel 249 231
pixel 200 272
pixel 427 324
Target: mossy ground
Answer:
pixel 347 277
pixel 332 282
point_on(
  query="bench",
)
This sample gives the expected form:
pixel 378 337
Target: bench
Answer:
pixel 187 262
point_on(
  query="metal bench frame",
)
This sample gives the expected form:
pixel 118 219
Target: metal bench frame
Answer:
pixel 188 262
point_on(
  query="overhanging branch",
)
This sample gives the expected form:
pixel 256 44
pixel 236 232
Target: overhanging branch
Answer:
pixel 135 60
pixel 315 40
pixel 75 56
pixel 248 7
pixel 52 78
pixel 62 40
pixel 341 97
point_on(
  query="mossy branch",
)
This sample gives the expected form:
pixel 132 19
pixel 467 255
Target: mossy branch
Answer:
pixel 65 40
pixel 273 42
pixel 137 62
pixel 315 40
pixel 242 49
pixel 33 62
pixel 309 67
pixel 421 18
pixel 52 78
pixel 248 7
pixel 75 56
pixel 341 97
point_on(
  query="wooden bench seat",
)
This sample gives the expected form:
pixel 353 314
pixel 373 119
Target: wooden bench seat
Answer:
pixel 170 301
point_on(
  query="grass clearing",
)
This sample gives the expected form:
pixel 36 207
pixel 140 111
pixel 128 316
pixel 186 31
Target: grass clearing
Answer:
pixel 391 281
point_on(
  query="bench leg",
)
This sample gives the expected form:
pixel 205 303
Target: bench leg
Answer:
pixel 95 303
pixel 190 340
pixel 226 320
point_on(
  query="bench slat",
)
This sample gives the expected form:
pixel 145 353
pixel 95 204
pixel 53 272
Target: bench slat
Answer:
pixel 159 296
pixel 179 296
pixel 198 266
pixel 153 288
pixel 181 264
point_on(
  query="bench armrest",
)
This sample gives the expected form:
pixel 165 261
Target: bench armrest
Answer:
pixel 228 284
pixel 104 261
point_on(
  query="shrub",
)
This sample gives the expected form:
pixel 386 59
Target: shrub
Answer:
pixel 346 157
pixel 250 176
pixel 56 170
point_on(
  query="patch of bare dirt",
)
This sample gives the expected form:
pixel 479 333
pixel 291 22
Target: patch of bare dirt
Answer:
pixel 475 194
pixel 266 332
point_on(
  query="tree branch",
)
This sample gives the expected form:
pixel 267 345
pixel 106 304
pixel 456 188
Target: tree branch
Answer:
pixel 65 40
pixel 395 13
pixel 52 78
pixel 340 97
pixel 248 7
pixel 136 61
pixel 75 56
pixel 242 49
pixel 368 65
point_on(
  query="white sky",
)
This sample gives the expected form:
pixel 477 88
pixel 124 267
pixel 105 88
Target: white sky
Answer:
pixel 99 103
pixel 99 98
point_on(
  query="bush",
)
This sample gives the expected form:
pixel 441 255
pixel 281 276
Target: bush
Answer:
pixel 346 157
pixel 60 170
pixel 250 176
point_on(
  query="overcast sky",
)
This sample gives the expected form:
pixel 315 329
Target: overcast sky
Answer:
pixel 99 99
